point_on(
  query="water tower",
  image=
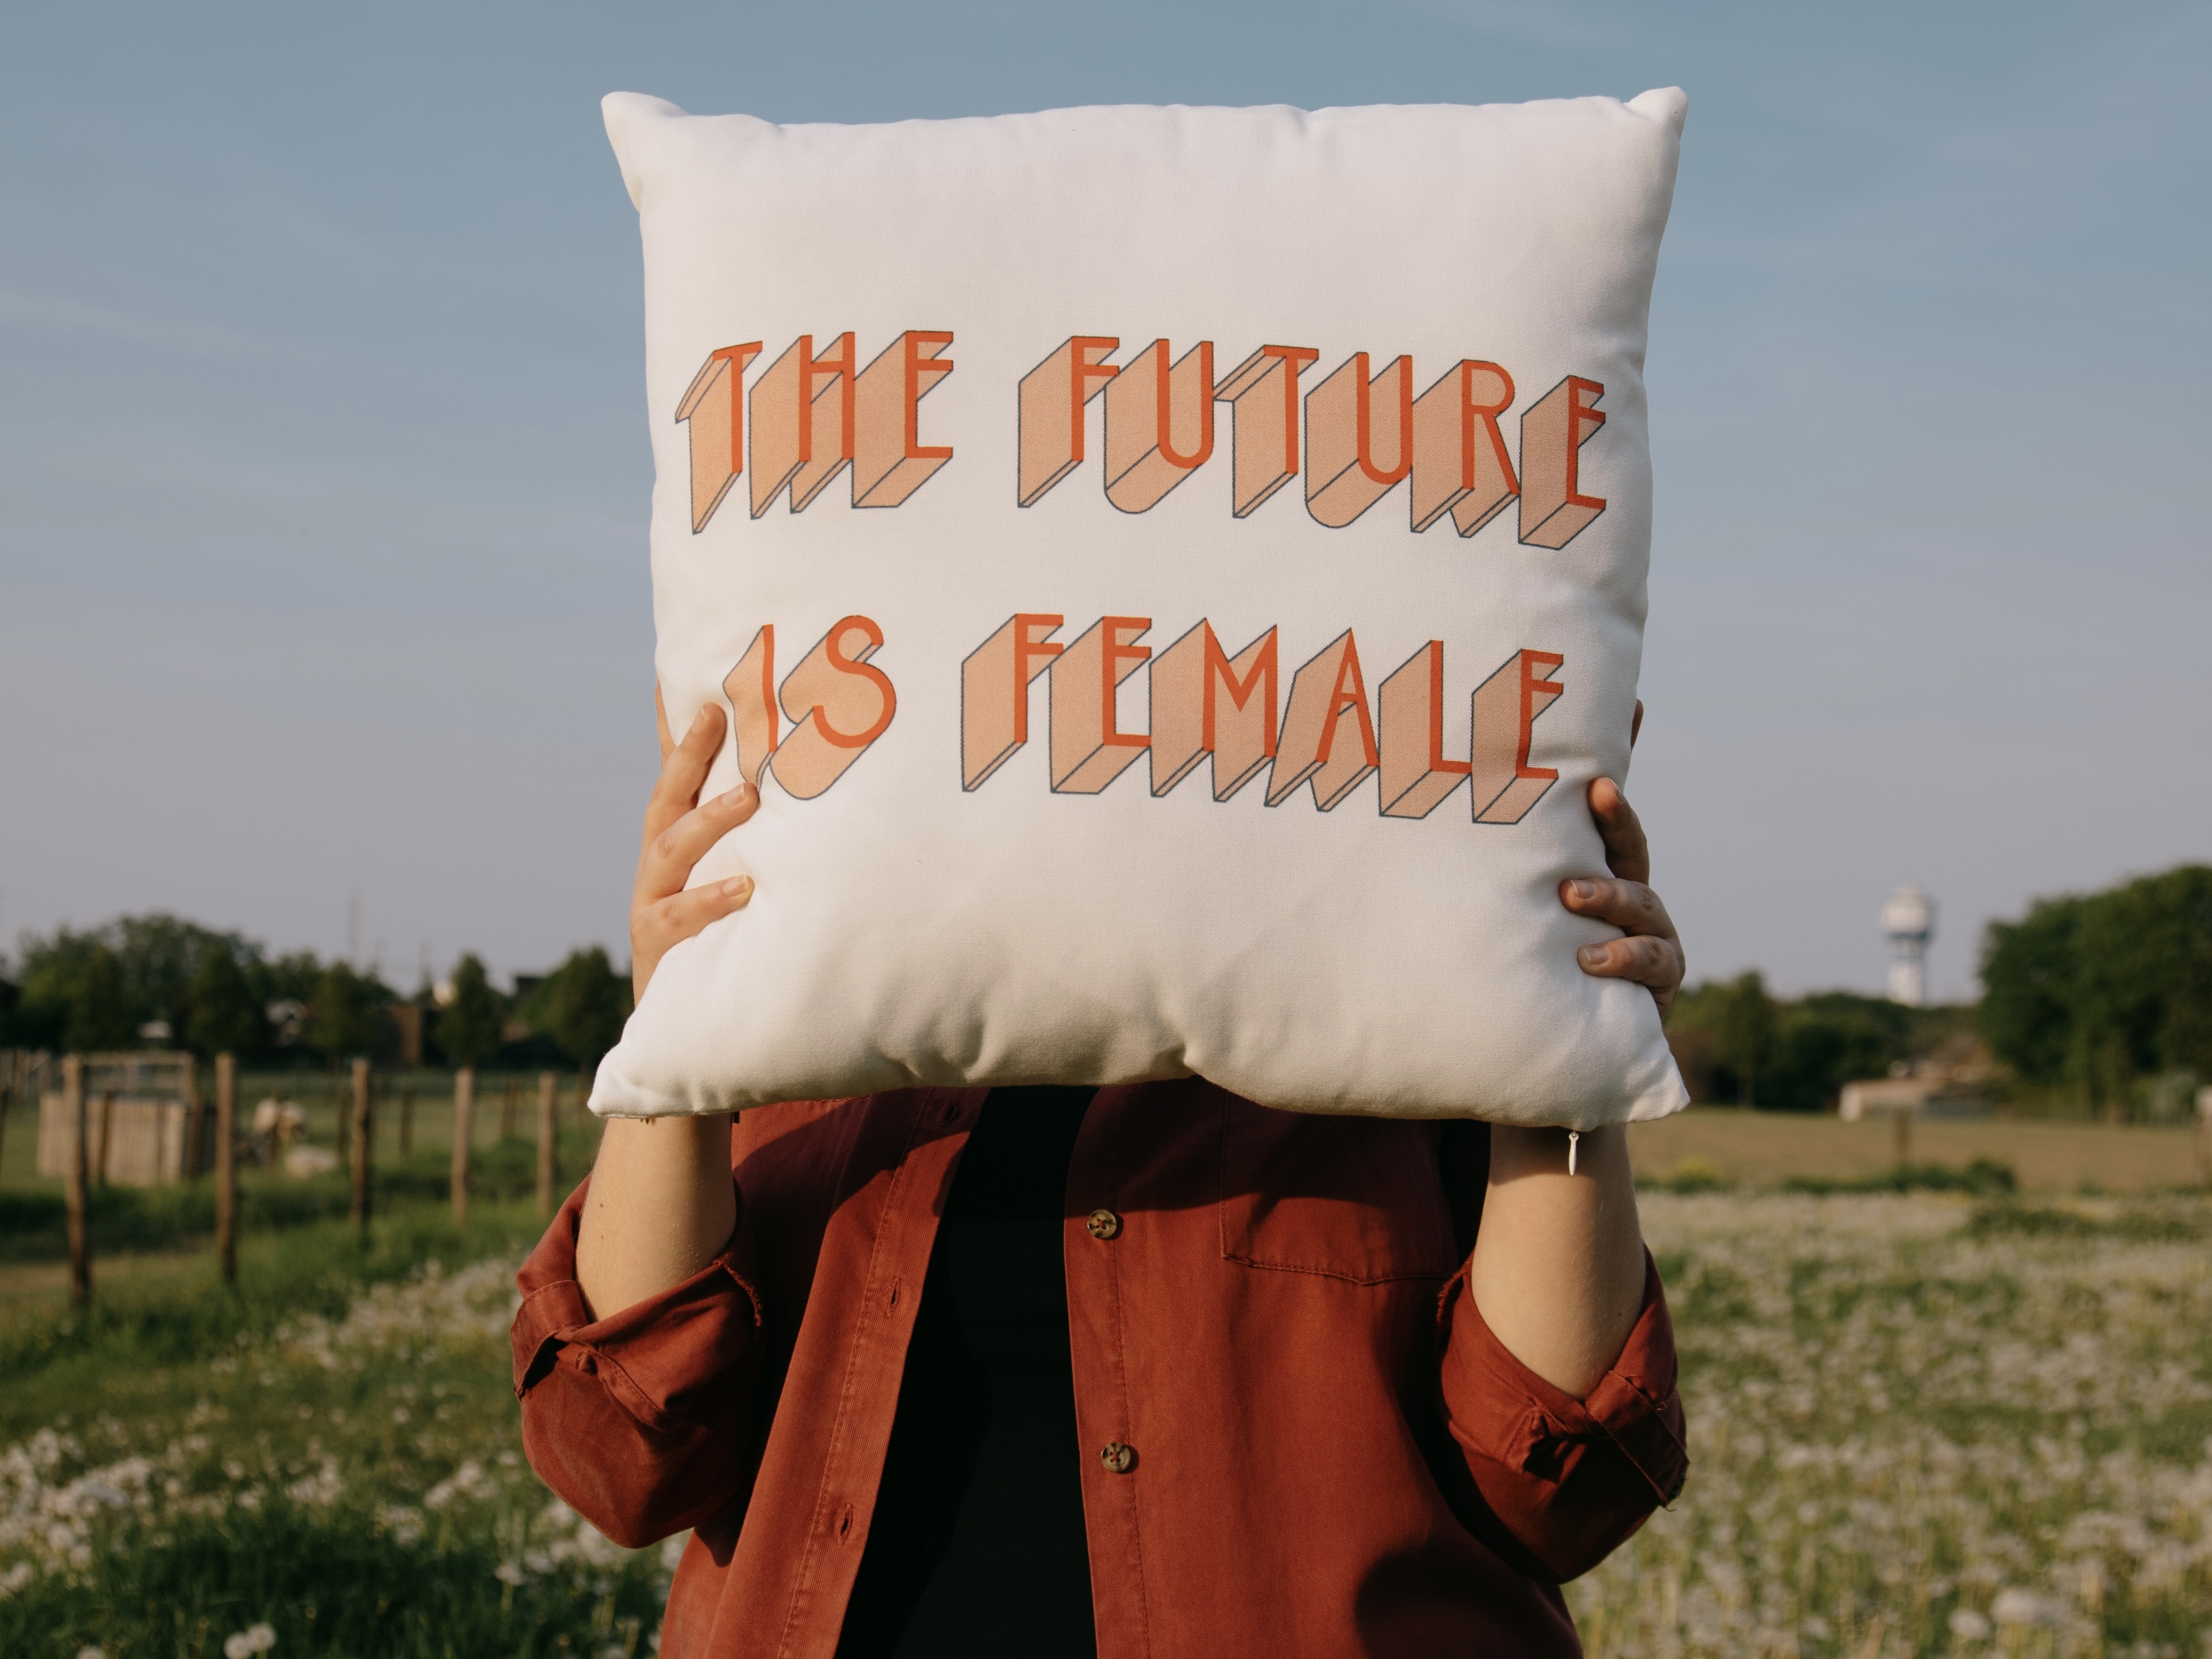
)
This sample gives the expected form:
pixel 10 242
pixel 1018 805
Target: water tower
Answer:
pixel 1908 917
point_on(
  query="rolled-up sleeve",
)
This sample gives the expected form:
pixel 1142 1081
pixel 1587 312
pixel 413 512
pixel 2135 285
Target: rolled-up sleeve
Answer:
pixel 641 1421
pixel 1569 1479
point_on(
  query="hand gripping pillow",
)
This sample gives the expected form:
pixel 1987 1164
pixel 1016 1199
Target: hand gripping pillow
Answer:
pixel 1173 575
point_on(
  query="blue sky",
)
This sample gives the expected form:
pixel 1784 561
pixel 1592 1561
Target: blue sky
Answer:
pixel 323 470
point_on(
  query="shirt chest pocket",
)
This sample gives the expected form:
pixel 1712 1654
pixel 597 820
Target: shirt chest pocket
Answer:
pixel 1358 1199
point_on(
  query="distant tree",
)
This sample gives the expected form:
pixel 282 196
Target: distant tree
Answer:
pixel 469 1026
pixel 100 1015
pixel 226 1016
pixel 346 1017
pixel 2029 973
pixel 1744 1022
pixel 292 977
pixel 1746 1036
pixel 584 1003
pixel 53 974
pixel 1828 1039
pixel 162 954
pixel 2091 992
pixel 110 981
pixel 1734 1042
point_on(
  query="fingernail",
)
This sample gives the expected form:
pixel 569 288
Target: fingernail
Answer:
pixel 736 886
pixel 697 719
pixel 1592 956
pixel 734 798
pixel 1583 889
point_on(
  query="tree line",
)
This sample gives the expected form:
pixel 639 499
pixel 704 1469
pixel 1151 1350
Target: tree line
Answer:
pixel 100 989
pixel 2089 1001
pixel 1739 1045
pixel 2098 998
pixel 2094 1002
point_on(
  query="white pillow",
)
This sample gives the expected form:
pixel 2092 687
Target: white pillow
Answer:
pixel 961 572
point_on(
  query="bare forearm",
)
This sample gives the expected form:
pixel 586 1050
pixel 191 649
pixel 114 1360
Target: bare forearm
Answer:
pixel 1557 1269
pixel 661 1206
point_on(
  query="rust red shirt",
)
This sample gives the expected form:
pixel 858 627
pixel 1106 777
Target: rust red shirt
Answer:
pixel 1299 1435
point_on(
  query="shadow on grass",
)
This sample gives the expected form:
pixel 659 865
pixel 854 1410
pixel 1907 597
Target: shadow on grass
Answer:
pixel 328 1583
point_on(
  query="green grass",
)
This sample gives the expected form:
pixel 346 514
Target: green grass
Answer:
pixel 1983 1177
pixel 326 1584
pixel 330 1446
pixel 1922 1424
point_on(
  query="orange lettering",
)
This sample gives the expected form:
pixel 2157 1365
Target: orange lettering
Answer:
pixel 783 404
pixel 1188 724
pixel 838 704
pixel 1263 390
pixel 1320 692
pixel 1460 464
pixel 1089 748
pixel 992 723
pixel 1051 399
pixel 1142 463
pixel 1506 706
pixel 1416 776
pixel 889 461
pixel 1553 509
pixel 1342 480
pixel 750 688
pixel 715 407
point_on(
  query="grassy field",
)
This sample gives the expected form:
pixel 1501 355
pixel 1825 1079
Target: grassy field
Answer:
pixel 1922 1423
pixel 329 1449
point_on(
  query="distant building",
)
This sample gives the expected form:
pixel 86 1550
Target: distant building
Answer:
pixel 1908 917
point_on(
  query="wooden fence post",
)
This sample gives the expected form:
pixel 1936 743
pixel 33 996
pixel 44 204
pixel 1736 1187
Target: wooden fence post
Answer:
pixel 226 1166
pixel 549 1085
pixel 362 1159
pixel 106 1136
pixel 1900 1121
pixel 11 1067
pixel 75 1195
pixel 465 1101
pixel 188 1157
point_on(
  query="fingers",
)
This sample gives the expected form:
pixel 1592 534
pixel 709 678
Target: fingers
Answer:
pixel 1651 954
pixel 657 926
pixel 667 861
pixel 1628 905
pixel 1627 853
pixel 678 831
pixel 1646 959
pixel 682 771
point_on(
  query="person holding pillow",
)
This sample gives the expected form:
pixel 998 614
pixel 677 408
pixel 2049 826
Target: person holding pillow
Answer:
pixel 1148 1370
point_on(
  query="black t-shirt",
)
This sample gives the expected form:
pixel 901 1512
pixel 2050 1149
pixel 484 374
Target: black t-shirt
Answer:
pixel 977 1545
